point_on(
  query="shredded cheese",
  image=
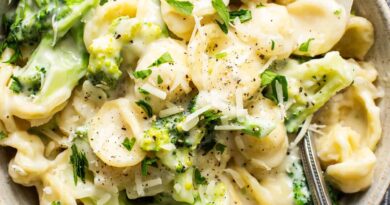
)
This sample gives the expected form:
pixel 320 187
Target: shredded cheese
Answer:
pixel 302 132
pixel 170 111
pixel 193 118
pixel 152 182
pixel 155 91
pixel 228 127
pixel 168 147
pixel 279 95
pixel 138 182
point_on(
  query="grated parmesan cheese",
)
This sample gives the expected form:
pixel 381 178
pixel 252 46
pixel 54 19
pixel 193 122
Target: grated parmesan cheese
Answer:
pixel 138 182
pixel 228 127
pixel 155 91
pixel 170 111
pixel 152 182
pixel 193 118
pixel 302 132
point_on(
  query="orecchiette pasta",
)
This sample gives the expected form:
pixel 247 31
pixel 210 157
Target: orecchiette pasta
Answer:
pixel 174 75
pixel 103 16
pixel 227 74
pixel 107 139
pixel 186 101
pixel 359 31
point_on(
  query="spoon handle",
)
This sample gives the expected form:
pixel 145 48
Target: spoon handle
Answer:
pixel 313 172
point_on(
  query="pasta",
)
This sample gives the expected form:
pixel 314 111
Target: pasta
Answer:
pixel 187 101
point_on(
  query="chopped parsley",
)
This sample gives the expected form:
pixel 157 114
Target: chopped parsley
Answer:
pixel 55 203
pixel 79 162
pixel 183 7
pixel 260 5
pixel 268 82
pixel 220 55
pixel 142 74
pixel 243 14
pixel 199 179
pixel 337 12
pixel 3 135
pixel 164 58
pixel 272 44
pixel 222 26
pixel 129 143
pixel 304 47
pixel 223 13
pixel 220 147
pixel 159 79
pixel 142 91
pixel 147 162
pixel 16 86
pixel 146 107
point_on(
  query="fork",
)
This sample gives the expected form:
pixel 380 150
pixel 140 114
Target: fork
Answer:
pixel 313 172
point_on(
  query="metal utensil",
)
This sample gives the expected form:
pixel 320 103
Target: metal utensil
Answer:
pixel 313 172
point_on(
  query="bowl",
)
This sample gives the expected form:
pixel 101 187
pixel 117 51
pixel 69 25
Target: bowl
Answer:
pixel 377 11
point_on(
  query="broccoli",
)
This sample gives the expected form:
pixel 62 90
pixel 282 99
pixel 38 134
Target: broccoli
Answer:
pixel 51 73
pixel 105 51
pixel 299 184
pixel 187 189
pixel 164 131
pixel 33 20
pixel 313 83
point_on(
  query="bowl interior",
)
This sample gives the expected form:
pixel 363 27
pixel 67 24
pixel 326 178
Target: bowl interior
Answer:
pixel 378 13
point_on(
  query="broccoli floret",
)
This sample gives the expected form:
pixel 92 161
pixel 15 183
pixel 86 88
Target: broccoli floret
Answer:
pixel 313 83
pixel 34 19
pixel 164 132
pixel 50 70
pixel 300 188
pixel 105 58
pixel 103 68
pixel 186 189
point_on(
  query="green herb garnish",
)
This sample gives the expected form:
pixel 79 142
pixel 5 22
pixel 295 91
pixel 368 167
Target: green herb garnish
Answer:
pixel 183 7
pixel 304 47
pixel 223 13
pixel 220 147
pixel 129 143
pixel 142 74
pixel 79 162
pixel 159 79
pixel 243 14
pixel 164 58
pixel 3 135
pixel 268 82
pixel 199 179
pixel 147 162
pixel 146 107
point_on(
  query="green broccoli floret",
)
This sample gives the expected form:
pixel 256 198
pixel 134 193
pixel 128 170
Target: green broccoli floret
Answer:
pixel 313 83
pixel 164 131
pixel 300 187
pixel 105 58
pixel 34 19
pixel 52 69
